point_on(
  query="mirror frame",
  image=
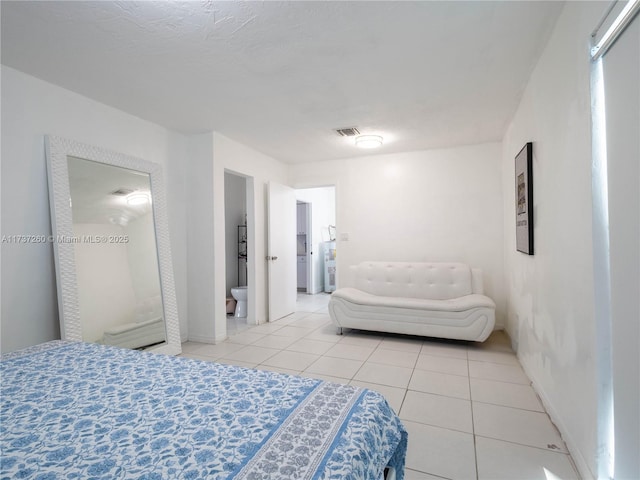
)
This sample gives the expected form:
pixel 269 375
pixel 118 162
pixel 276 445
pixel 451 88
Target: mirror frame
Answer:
pixel 57 150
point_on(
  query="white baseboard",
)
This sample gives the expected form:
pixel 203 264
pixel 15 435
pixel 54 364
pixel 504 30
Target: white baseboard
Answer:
pixel 578 459
pixel 205 339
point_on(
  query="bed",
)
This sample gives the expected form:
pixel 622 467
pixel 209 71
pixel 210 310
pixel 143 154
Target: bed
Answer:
pixel 76 410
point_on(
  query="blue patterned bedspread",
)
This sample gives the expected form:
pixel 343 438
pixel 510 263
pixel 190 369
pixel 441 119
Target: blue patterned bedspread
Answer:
pixel 86 411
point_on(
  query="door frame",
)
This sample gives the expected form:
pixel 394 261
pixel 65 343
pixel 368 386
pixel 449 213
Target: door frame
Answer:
pixel 311 186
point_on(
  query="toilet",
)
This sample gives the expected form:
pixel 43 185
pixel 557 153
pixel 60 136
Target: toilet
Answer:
pixel 240 294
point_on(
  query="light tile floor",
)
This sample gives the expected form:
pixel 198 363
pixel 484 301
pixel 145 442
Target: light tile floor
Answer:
pixel 469 409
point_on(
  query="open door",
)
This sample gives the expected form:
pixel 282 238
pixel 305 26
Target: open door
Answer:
pixel 281 250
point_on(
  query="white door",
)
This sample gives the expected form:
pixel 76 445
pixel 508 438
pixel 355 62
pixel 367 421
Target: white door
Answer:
pixel 281 251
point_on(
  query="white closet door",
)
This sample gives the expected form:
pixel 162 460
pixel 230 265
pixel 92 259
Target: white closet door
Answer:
pixel 621 74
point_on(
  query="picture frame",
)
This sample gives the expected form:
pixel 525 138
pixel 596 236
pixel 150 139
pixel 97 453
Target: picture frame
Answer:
pixel 524 199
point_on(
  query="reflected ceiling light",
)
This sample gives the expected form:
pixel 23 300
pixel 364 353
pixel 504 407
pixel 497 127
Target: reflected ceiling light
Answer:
pixel 368 141
pixel 120 218
pixel 137 198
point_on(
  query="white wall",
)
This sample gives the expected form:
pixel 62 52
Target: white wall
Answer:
pixel 551 299
pixel 323 214
pixel 142 252
pixel 32 109
pixel 434 205
pixel 259 170
pixel 200 248
pixel 106 293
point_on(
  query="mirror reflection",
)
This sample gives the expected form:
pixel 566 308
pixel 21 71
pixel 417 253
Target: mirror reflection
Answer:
pixel 116 257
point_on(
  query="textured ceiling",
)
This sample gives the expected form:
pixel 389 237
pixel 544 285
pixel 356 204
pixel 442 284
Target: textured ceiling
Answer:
pixel 279 76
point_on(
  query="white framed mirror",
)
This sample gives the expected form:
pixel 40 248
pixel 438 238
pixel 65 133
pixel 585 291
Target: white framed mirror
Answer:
pixel 111 245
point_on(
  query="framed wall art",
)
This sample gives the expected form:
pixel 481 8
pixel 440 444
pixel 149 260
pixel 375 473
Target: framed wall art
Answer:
pixel 524 199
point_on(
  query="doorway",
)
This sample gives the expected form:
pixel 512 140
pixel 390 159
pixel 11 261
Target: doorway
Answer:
pixel 239 264
pixel 303 246
pixel 316 239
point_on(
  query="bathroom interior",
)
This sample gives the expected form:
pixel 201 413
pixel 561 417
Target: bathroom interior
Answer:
pixel 236 236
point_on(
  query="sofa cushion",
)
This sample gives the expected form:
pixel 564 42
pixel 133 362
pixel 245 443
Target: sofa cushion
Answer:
pixel 429 281
pixel 460 304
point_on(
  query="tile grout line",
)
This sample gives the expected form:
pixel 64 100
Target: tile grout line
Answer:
pixel 473 423
pixel 557 452
pixel 365 361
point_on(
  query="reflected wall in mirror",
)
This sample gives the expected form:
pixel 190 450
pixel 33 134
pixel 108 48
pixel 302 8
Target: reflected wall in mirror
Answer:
pixel 113 263
pixel 116 257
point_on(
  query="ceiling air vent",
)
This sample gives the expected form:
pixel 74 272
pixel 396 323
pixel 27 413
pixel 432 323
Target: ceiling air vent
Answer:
pixel 121 192
pixel 347 132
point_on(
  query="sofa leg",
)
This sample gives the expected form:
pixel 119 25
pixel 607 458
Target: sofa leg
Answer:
pixel 338 330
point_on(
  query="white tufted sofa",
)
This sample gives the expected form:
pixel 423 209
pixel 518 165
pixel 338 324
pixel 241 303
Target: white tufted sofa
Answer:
pixel 431 299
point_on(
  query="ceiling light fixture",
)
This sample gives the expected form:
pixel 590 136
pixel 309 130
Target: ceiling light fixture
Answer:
pixel 368 141
pixel 137 198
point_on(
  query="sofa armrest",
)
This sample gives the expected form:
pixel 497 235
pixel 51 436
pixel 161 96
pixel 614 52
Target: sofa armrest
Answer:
pixel 477 285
